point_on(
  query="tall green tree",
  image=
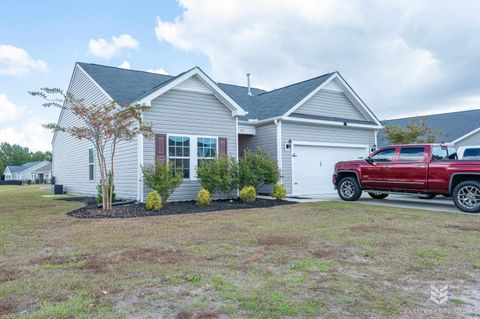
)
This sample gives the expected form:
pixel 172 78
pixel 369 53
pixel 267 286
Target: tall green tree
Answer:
pixel 19 155
pixel 416 131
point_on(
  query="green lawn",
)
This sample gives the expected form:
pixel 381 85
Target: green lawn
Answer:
pixel 331 260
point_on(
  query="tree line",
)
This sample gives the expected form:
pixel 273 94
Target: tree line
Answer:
pixel 19 155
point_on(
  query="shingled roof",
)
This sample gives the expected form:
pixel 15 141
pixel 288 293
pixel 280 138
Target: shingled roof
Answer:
pixel 21 168
pixel 447 127
pixel 127 86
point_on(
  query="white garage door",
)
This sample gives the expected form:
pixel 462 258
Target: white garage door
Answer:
pixel 313 166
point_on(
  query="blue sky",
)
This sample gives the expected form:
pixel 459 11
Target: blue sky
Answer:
pixel 403 58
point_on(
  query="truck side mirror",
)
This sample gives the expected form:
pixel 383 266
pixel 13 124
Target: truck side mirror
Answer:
pixel 369 160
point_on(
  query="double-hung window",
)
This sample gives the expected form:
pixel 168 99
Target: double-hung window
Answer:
pixel 206 149
pixel 91 164
pixel 179 154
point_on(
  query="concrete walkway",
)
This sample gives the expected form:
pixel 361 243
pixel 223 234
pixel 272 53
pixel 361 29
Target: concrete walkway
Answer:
pixel 440 203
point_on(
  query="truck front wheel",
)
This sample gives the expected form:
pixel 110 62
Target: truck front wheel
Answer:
pixel 349 189
pixel 466 196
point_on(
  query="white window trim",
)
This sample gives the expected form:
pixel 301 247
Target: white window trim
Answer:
pixel 193 152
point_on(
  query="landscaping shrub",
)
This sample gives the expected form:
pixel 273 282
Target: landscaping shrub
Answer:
pixel 153 201
pixel 162 178
pixel 204 197
pixel 219 174
pixel 258 168
pixel 248 194
pixel 99 197
pixel 279 191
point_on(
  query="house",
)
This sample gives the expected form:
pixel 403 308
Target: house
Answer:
pixel 457 128
pixel 23 172
pixel 43 174
pixel 306 127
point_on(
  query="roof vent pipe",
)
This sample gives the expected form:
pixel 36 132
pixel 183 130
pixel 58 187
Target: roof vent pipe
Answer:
pixel 248 84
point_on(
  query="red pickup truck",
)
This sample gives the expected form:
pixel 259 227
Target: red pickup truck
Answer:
pixel 424 169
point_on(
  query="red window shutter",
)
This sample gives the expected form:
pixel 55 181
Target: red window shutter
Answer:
pixel 161 147
pixel 222 146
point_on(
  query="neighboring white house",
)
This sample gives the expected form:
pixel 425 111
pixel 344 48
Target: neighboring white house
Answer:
pixel 307 127
pixel 43 174
pixel 23 172
pixel 457 128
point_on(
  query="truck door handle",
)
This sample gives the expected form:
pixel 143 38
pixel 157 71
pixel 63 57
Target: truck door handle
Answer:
pixel 419 166
pixel 388 166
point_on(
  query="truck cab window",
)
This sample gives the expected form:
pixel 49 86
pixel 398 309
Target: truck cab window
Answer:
pixel 385 156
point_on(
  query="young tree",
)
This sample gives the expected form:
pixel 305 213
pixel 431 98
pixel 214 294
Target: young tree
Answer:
pixel 104 125
pixel 416 131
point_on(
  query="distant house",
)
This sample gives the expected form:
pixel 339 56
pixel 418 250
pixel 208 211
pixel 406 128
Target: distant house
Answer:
pixel 306 127
pixel 26 171
pixel 43 174
pixel 458 128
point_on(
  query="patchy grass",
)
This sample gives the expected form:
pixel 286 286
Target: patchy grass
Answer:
pixel 327 259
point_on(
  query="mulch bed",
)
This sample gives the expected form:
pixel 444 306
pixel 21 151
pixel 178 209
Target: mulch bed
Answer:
pixel 90 209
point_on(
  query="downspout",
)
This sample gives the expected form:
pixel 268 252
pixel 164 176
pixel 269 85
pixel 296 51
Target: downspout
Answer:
pixel 278 125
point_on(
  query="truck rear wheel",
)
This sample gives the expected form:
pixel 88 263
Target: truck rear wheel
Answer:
pixel 349 189
pixel 378 195
pixel 466 196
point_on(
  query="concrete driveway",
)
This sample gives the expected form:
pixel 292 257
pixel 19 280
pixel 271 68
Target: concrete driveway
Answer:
pixel 440 203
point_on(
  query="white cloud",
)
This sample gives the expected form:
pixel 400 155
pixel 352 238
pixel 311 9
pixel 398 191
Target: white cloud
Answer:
pixel 103 49
pixel 125 65
pixel 159 71
pixel 17 61
pixel 400 56
pixel 31 134
pixel 8 110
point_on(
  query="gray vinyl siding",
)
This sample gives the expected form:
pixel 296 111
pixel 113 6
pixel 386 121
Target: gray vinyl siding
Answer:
pixel 266 138
pixel 471 140
pixel 70 155
pixel 319 133
pixel 332 104
pixel 189 113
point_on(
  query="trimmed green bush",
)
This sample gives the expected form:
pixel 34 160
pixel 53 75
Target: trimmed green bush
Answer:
pixel 153 201
pixel 279 191
pixel 219 174
pixel 162 178
pixel 204 198
pixel 248 194
pixel 258 168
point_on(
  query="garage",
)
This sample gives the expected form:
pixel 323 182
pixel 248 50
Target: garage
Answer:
pixel 313 165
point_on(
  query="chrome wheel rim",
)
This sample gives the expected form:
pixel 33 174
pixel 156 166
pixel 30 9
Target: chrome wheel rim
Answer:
pixel 469 197
pixel 347 189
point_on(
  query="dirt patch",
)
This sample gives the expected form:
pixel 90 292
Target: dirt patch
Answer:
pixel 280 240
pixel 205 314
pixel 172 208
pixel 375 229
pixel 464 228
pixel 7 275
pixel 155 255
pixel 184 315
pixel 7 306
